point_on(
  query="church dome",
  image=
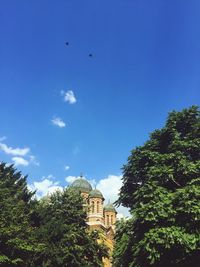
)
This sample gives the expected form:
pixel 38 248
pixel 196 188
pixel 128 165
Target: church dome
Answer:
pixel 109 207
pixel 95 194
pixel 82 185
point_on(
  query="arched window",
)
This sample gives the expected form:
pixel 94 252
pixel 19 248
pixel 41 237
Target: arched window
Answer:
pixel 97 206
pixel 107 218
pixel 111 219
pixel 92 206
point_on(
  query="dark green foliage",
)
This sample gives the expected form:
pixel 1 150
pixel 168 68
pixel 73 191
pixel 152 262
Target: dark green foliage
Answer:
pixel 18 245
pixel 161 186
pixel 48 233
pixel 64 231
pixel 122 251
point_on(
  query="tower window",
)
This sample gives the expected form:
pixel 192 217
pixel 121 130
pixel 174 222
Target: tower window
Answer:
pixel 97 206
pixel 92 206
pixel 107 218
pixel 111 219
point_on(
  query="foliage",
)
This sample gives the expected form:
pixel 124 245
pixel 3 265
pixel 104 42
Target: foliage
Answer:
pixel 46 233
pixel 161 186
pixel 18 245
pixel 64 231
pixel 122 251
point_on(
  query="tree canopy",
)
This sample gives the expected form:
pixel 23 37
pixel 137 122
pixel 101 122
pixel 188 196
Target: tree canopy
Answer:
pixel 17 241
pixel 64 231
pixel 43 233
pixel 161 186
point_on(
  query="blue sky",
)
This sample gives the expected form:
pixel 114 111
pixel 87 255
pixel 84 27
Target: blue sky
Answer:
pixel 146 62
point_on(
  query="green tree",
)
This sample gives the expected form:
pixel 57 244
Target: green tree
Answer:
pixel 64 231
pixel 18 246
pixel 161 186
pixel 46 233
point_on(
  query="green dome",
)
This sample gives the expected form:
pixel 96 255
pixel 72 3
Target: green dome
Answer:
pixel 82 185
pixel 95 193
pixel 109 207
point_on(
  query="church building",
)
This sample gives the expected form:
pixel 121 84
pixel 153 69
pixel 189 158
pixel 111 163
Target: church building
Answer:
pixel 99 216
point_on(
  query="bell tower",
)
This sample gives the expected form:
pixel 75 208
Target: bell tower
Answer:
pixel 95 213
pixel 110 215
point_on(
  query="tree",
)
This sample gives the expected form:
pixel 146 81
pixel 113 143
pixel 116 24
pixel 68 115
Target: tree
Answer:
pixel 65 234
pixel 18 246
pixel 46 233
pixel 161 186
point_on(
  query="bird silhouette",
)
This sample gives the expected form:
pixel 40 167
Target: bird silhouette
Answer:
pixel 90 55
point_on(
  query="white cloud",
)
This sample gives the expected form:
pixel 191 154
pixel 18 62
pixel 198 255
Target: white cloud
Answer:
pixel 69 96
pixel 45 186
pixel 14 151
pixel 70 179
pixel 93 183
pixel 2 138
pixel 67 167
pixel 34 161
pixel 58 122
pixel 19 154
pixel 20 161
pixel 120 216
pixel 110 187
pixel 49 177
pixel 122 212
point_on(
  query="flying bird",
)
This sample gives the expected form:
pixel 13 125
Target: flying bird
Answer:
pixel 67 43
